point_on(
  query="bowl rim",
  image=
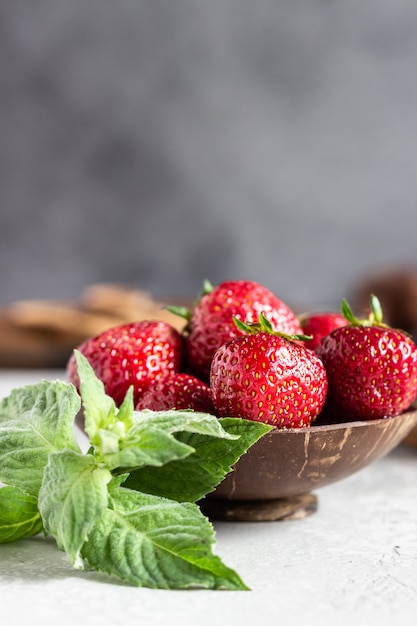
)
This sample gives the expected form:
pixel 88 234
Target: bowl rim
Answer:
pixel 343 425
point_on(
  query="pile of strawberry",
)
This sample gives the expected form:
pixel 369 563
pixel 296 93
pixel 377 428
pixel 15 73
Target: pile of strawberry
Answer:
pixel 244 353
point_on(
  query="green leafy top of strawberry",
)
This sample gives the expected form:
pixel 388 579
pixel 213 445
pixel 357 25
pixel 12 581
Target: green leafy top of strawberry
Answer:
pixel 375 317
pixel 263 325
pixel 186 312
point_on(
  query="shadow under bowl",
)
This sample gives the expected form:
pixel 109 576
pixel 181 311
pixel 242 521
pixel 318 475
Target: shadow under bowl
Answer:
pixel 275 478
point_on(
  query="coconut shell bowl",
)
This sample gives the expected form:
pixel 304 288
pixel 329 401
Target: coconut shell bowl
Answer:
pixel 277 477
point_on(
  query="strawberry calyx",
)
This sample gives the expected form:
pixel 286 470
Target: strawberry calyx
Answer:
pixel 375 317
pixel 263 325
pixel 180 311
pixel 186 312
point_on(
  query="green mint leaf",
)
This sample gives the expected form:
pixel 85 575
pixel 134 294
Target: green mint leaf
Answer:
pixel 19 515
pixel 125 411
pixel 105 424
pixel 151 440
pixel 116 482
pixel 35 421
pixel 143 446
pixel 99 408
pixel 198 474
pixel 181 421
pixel 154 542
pixel 72 497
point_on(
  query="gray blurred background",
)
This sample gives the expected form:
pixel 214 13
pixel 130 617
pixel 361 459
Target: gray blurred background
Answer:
pixel 160 142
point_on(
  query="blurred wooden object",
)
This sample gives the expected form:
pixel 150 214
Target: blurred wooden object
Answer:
pixel 43 333
pixel 411 440
pixel 396 289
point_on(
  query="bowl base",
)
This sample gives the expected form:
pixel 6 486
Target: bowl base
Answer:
pixel 291 508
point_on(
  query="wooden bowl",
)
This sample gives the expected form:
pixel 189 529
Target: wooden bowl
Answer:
pixel 411 439
pixel 276 477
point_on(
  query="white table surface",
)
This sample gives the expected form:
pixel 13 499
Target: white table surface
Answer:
pixel 354 561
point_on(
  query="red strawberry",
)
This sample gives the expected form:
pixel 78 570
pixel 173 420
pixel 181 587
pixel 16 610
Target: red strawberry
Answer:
pixel 266 377
pixel 320 324
pixel 177 391
pixel 135 354
pixel 210 324
pixel 371 368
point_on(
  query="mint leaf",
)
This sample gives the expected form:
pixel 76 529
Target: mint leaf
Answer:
pixel 19 515
pixel 72 497
pixel 34 421
pixel 150 440
pixel 186 421
pixel 197 475
pixel 105 424
pixel 154 542
pixel 147 446
pixel 99 408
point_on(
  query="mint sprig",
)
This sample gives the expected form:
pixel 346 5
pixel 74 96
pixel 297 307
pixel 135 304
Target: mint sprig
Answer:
pixel 129 506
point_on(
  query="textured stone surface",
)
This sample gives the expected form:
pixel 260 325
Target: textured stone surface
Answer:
pixel 160 142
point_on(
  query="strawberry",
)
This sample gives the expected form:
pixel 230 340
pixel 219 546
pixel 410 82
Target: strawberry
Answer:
pixel 320 324
pixel 371 368
pixel 177 391
pixel 210 323
pixel 137 354
pixel 265 376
